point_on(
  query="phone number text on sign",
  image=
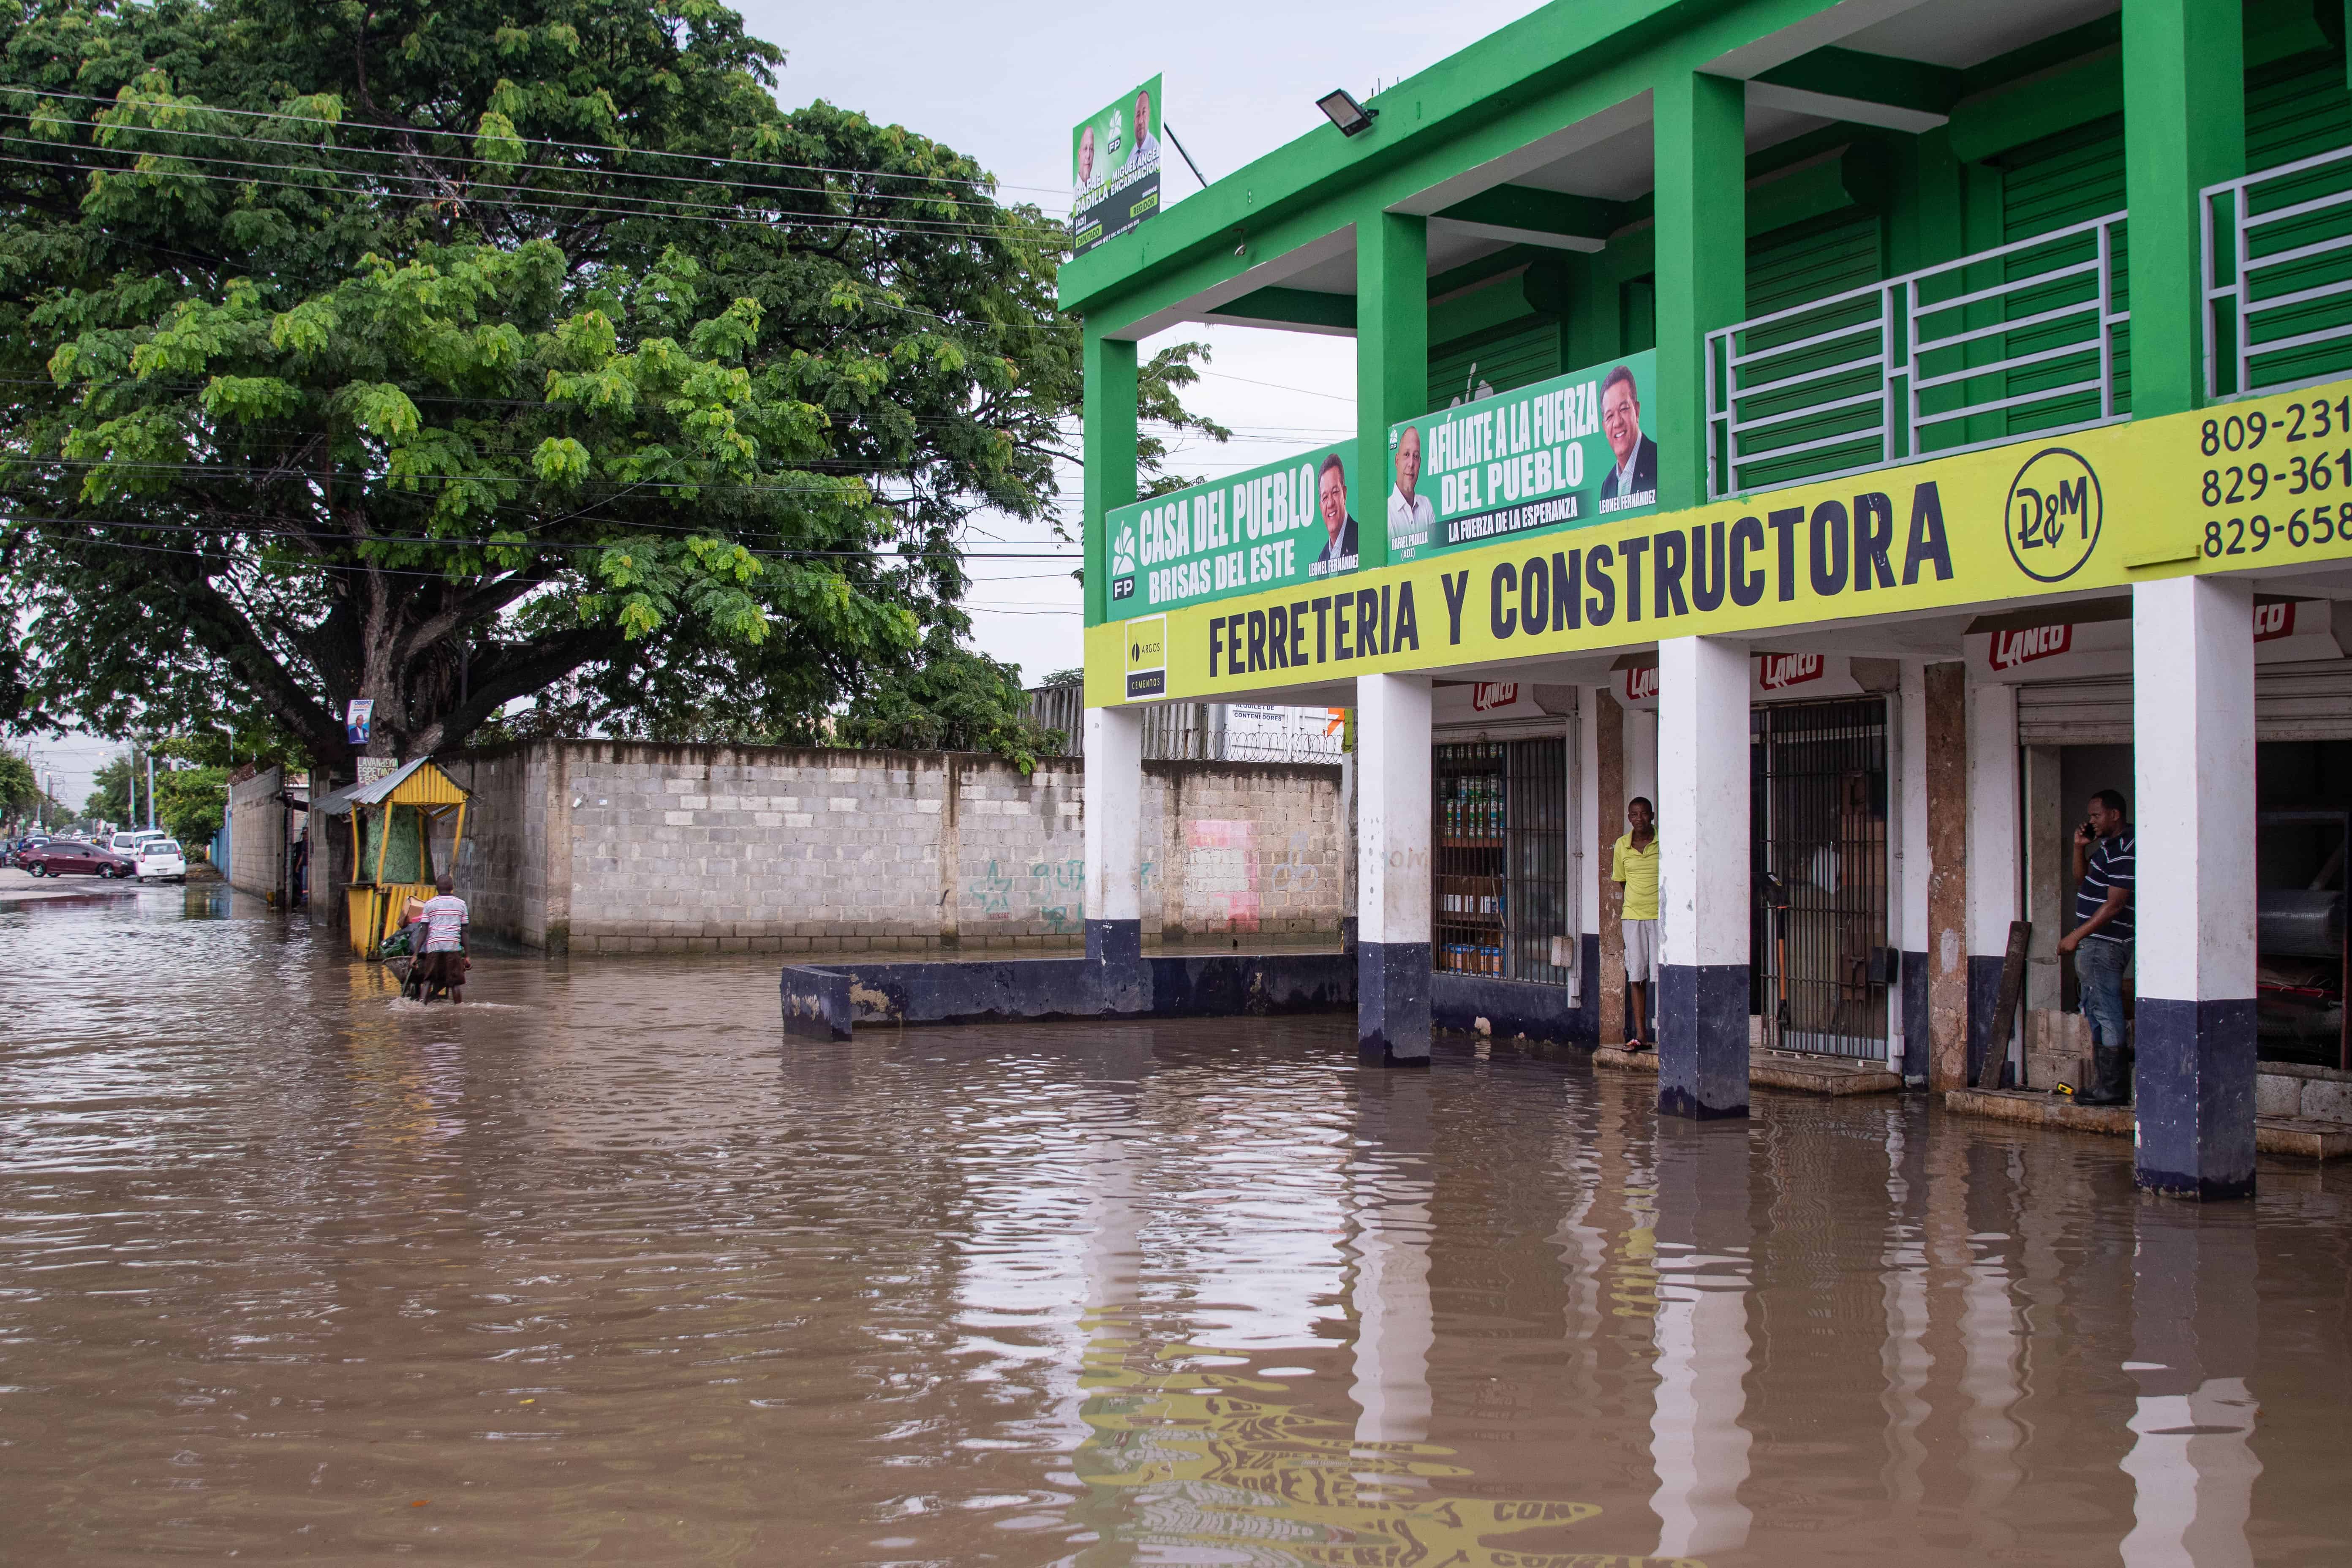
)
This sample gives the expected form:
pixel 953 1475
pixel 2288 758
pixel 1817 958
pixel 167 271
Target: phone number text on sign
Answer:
pixel 2269 466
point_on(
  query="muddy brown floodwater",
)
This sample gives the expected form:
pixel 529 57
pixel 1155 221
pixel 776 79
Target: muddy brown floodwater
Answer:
pixel 601 1270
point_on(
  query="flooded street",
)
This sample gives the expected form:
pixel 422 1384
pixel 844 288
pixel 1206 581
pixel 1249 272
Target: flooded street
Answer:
pixel 598 1270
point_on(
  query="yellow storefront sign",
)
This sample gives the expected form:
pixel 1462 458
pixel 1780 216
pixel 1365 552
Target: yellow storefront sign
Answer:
pixel 2264 482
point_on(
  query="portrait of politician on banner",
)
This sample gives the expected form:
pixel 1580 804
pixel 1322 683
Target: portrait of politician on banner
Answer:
pixel 1115 168
pixel 1564 453
pixel 1286 525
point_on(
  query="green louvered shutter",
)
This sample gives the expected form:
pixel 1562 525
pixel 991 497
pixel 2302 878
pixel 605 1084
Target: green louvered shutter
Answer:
pixel 1518 356
pixel 1785 269
pixel 2045 185
pixel 2297 109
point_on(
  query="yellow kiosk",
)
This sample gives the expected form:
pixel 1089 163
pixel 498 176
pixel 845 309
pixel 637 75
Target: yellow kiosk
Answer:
pixel 395 821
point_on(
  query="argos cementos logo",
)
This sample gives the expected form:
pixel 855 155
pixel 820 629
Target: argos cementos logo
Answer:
pixel 2053 514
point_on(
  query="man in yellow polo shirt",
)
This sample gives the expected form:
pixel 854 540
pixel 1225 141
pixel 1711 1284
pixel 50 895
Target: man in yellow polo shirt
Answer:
pixel 1633 867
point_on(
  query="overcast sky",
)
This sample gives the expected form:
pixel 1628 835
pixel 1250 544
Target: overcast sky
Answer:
pixel 1003 84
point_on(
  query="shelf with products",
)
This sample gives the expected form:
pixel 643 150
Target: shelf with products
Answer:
pixel 1499 865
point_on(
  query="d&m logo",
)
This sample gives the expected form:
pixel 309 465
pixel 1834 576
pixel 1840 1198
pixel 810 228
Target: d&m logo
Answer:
pixel 2054 515
pixel 1146 656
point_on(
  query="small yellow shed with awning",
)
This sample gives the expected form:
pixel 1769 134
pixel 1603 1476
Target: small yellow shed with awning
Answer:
pixel 395 822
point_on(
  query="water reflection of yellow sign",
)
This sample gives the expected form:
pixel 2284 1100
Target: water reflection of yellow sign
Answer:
pixel 1209 1457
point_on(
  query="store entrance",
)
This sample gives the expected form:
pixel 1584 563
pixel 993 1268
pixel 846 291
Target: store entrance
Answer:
pixel 1818 801
pixel 1502 862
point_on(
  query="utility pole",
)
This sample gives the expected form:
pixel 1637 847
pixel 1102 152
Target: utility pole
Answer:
pixel 151 787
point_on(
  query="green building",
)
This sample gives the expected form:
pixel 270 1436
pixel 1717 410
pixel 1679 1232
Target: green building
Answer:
pixel 1866 430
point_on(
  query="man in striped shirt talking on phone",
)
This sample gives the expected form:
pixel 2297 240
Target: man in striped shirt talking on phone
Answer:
pixel 2101 940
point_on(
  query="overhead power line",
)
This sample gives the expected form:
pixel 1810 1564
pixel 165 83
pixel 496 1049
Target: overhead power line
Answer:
pixel 346 125
pixel 355 540
pixel 476 161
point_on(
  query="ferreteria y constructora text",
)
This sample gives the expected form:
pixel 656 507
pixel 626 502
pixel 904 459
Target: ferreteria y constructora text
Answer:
pixel 1833 549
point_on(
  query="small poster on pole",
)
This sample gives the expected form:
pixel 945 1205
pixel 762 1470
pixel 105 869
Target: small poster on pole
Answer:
pixel 1115 168
pixel 357 718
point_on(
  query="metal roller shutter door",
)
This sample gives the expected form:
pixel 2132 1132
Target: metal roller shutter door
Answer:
pixel 2075 713
pixel 2291 702
pixel 1520 358
pixel 1787 268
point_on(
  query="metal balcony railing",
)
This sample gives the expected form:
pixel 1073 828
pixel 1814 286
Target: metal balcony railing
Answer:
pixel 2278 277
pixel 2028 338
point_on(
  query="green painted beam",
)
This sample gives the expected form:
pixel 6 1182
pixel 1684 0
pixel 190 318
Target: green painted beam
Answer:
pixel 1808 192
pixel 1702 172
pixel 1871 79
pixel 1544 73
pixel 2090 87
pixel 1294 307
pixel 1527 210
pixel 1498 304
pixel 2043 55
pixel 2184 128
pixel 1108 409
pixel 1391 359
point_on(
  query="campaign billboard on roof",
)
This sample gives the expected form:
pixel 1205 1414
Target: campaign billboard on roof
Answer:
pixel 1115 168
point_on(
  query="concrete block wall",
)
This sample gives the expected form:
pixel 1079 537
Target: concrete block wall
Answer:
pixel 2313 1093
pixel 622 846
pixel 1233 848
pixel 256 837
pixel 502 870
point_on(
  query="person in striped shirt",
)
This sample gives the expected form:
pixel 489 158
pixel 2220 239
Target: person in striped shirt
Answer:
pixel 441 965
pixel 2101 940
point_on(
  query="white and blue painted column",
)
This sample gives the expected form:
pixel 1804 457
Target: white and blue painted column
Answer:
pixel 1994 866
pixel 1392 869
pixel 2193 906
pixel 1912 863
pixel 1114 823
pixel 1703 866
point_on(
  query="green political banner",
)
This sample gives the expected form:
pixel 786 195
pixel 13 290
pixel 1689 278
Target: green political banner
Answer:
pixel 1287 524
pixel 1564 453
pixel 1115 168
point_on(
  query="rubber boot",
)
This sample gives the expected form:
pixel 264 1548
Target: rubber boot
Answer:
pixel 2107 1082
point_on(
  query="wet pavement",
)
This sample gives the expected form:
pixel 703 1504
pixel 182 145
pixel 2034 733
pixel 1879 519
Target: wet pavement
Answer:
pixel 594 1268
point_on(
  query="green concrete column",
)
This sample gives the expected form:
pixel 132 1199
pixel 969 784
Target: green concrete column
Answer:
pixel 2184 128
pixel 1391 359
pixel 1702 206
pixel 1109 430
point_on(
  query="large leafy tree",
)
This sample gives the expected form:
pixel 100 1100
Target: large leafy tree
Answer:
pixel 450 354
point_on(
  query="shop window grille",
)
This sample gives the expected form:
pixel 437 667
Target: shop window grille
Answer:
pixel 1819 795
pixel 1500 873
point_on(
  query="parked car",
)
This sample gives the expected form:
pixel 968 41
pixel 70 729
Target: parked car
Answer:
pixel 127 842
pixel 71 856
pixel 158 861
pixel 12 852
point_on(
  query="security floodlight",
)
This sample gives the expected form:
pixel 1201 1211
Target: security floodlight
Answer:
pixel 1353 118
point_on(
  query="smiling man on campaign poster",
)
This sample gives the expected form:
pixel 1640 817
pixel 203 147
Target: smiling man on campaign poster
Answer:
pixel 1115 168
pixel 1288 524
pixel 1563 453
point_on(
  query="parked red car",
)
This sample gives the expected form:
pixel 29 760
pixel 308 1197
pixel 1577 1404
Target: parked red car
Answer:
pixel 69 857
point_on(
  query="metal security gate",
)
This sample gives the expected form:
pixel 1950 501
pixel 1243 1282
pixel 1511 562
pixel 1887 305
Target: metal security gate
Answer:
pixel 1818 778
pixel 1501 870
